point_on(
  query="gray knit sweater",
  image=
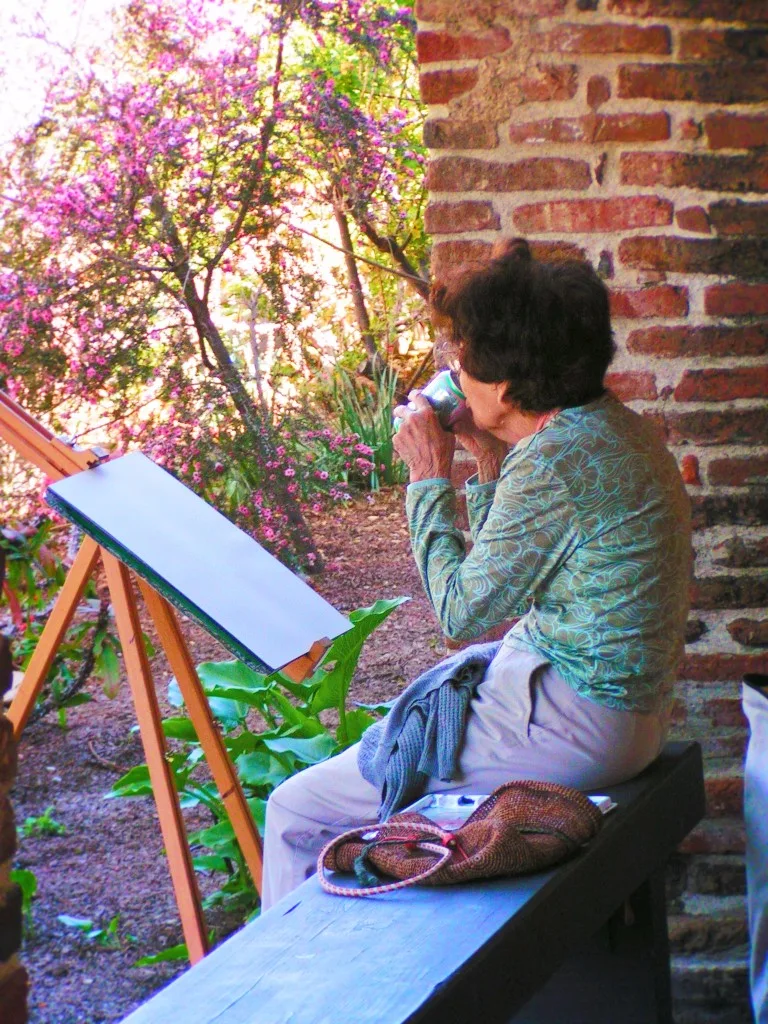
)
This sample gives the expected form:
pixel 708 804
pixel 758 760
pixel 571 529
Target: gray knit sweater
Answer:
pixel 420 738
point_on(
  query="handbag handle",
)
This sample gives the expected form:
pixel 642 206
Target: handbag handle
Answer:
pixel 388 833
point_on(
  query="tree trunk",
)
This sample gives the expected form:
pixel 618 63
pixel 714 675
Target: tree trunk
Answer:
pixel 258 428
pixel 375 361
pixel 256 424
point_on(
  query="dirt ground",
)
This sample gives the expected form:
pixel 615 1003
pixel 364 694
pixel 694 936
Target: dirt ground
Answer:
pixel 110 860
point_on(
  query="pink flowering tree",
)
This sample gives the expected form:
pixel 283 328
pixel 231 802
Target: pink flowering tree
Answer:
pixel 361 148
pixel 159 171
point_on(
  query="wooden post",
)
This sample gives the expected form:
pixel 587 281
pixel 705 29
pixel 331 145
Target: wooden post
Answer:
pixel 150 727
pixel 207 731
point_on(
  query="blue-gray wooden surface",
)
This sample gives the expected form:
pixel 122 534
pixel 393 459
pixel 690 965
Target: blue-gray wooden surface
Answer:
pixel 471 953
pixel 198 559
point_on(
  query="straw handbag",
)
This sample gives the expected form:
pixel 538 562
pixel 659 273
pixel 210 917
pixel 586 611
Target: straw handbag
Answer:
pixel 522 827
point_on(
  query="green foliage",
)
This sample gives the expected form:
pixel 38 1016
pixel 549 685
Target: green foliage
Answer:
pixel 27 883
pixel 35 573
pixel 43 825
pixel 290 735
pixel 368 413
pixel 107 937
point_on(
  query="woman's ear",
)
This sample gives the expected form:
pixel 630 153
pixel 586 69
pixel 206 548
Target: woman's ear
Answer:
pixel 500 392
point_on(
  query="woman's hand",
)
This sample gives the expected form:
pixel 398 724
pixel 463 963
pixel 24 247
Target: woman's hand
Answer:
pixel 488 451
pixel 421 442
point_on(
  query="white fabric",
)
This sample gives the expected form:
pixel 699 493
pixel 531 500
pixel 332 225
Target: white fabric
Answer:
pixel 756 817
pixel 525 722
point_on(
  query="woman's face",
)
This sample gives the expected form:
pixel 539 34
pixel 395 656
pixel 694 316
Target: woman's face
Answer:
pixel 484 401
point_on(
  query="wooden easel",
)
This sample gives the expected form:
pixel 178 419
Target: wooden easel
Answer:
pixel 57 460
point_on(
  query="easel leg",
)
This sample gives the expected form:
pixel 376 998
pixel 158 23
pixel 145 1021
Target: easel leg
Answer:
pixel 52 635
pixel 150 726
pixel 223 772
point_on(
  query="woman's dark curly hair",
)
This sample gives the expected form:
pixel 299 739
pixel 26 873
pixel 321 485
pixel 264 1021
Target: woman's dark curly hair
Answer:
pixel 543 328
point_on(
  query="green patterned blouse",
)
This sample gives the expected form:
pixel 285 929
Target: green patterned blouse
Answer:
pixel 586 535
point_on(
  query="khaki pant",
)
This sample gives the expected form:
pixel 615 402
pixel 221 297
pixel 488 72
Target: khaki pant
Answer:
pixel 524 722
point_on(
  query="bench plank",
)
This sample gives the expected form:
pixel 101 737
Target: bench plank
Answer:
pixel 465 953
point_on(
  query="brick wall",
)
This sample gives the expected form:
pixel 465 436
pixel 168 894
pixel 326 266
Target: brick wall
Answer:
pixel 635 133
pixel 13 977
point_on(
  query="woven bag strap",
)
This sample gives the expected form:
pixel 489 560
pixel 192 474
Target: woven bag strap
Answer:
pixel 391 833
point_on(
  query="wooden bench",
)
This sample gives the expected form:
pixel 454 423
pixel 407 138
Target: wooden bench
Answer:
pixel 584 943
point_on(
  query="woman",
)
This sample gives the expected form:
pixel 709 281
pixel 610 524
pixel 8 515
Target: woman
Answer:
pixel 580 526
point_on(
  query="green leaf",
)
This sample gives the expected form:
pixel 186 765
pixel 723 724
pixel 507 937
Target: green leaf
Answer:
pixel 235 674
pixel 179 728
pixel 345 652
pixel 217 836
pixel 259 811
pixel 83 923
pixel 75 699
pixel 107 668
pixel 27 882
pixel 209 862
pixel 135 782
pixel 173 953
pixel 259 769
pixel 356 722
pixel 307 751
pixel 301 723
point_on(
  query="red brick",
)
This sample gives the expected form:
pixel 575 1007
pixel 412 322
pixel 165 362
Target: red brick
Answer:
pixel 711 340
pixel 446 133
pixel 460 174
pixel 554 252
pixel 545 83
pixel 749 632
pixel 707 668
pixel 483 10
pixel 732 426
pixel 725 712
pixel 598 91
pixel 723 385
pixel 629 386
pixel 724 835
pixel 450 258
pixel 735 217
pixel 717 44
pixel 585 215
pixel 713 592
pixel 736 131
pixel 451 218
pixel 738 553
pixel 594 128
pixel 689 470
pixel 720 10
pixel 736 299
pixel 735 82
pixel 642 303
pixel 697 170
pixel 436 46
pixel 748 508
pixel 603 38
pixel 739 473
pixel 746 258
pixel 694 218
pixel 443 86
pixel 724 796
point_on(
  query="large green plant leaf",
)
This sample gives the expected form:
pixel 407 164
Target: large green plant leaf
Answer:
pixel 344 653
pixel 260 769
pixel 304 751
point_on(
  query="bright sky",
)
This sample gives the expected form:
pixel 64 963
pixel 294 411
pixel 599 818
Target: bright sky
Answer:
pixel 22 83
